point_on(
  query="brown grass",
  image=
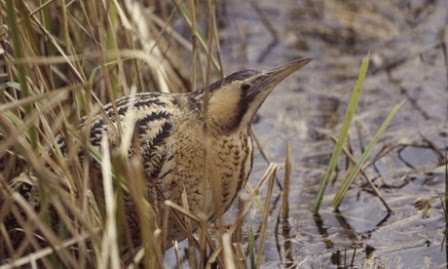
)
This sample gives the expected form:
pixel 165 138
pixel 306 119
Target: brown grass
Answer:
pixel 64 61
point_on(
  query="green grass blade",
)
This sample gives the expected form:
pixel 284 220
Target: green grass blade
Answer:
pixel 348 180
pixel 12 21
pixel 14 31
pixel 251 245
pixel 343 135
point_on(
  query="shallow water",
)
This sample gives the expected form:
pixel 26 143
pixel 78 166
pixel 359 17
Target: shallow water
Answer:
pixel 406 40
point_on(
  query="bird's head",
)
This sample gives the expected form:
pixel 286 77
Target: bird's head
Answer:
pixel 234 100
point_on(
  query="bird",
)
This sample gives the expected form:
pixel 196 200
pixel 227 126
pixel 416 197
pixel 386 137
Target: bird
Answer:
pixel 199 142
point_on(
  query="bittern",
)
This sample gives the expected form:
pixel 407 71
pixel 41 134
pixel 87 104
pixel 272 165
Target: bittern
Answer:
pixel 199 142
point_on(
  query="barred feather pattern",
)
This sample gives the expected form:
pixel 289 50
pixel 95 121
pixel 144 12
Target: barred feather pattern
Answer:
pixel 176 154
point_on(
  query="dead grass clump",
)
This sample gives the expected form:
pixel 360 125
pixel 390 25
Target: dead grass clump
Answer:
pixel 60 63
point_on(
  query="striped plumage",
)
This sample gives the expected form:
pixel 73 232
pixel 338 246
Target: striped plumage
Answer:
pixel 183 137
pixel 170 130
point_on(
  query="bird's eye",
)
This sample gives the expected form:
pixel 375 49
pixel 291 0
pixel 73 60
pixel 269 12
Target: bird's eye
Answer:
pixel 245 87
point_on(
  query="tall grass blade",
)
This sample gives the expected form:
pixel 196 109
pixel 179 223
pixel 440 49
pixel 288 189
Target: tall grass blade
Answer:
pixel 14 31
pixel 343 135
pixel 284 212
pixel 264 223
pixel 228 253
pixel 109 244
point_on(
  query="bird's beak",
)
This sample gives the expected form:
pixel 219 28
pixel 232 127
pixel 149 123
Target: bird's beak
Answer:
pixel 277 74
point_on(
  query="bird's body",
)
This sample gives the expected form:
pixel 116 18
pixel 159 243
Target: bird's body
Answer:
pixel 177 151
pixel 198 142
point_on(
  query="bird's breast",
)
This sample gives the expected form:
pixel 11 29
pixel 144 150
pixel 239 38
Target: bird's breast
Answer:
pixel 212 170
pixel 229 168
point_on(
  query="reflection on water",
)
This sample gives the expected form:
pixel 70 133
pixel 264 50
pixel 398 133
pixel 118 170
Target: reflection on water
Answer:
pixel 323 231
pixel 286 252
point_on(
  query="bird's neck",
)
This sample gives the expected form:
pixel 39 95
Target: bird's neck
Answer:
pixel 221 115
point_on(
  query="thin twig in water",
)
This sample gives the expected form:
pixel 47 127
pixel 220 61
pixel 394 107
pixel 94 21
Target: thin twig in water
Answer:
pixel 264 155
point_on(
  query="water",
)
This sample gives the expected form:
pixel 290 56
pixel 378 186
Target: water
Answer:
pixel 406 42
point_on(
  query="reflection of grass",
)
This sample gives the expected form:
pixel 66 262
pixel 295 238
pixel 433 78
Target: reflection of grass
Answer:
pixel 445 204
pixel 446 187
pixel 342 138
